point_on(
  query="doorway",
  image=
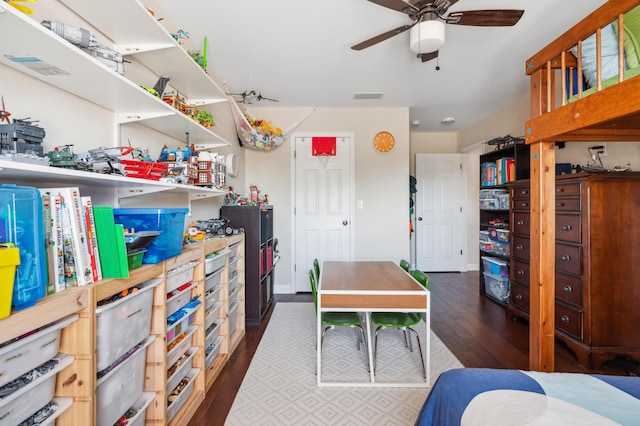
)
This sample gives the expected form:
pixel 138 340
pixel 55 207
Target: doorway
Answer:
pixel 323 187
pixel 440 225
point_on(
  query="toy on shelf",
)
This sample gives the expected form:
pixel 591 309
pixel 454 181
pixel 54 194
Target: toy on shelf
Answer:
pixel 21 8
pixel 63 156
pixel 205 118
pixel 144 169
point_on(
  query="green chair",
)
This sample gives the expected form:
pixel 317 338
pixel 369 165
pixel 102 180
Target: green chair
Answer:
pixel 316 268
pixel 339 319
pixel 402 321
pixel 405 265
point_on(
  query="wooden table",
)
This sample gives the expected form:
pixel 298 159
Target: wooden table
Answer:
pixel 371 286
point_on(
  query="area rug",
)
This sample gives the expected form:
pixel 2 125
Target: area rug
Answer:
pixel 280 387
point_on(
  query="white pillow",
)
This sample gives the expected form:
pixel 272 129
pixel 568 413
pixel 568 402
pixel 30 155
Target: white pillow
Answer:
pixel 609 56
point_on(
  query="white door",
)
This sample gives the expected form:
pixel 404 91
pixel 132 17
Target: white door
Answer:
pixel 440 233
pixel 323 216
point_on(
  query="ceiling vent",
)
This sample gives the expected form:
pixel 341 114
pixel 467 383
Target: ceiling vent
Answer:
pixel 368 95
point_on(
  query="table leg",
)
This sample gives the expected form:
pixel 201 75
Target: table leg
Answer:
pixel 369 347
pixel 318 347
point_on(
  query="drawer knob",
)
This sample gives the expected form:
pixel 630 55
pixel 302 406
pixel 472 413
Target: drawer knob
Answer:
pixel 567 288
pixel 559 204
pixel 519 247
pixel 566 227
pixel 518 296
pixel 565 257
pixel 520 271
pixel 524 192
pixel 559 190
pixel 564 319
pixel 524 204
pixel 520 222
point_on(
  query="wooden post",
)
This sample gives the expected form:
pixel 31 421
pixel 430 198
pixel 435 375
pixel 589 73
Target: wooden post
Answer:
pixel 542 233
pixel 542 261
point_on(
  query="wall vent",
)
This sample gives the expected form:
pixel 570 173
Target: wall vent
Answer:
pixel 368 95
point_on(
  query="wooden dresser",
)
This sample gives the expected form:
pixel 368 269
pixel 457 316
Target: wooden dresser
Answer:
pixel 597 263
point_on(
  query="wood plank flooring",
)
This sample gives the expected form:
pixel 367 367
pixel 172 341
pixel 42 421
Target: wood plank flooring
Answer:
pixel 473 327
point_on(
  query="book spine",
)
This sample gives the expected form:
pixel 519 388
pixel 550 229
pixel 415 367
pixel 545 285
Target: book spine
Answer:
pixel 80 235
pixel 58 243
pixel 48 235
pixel 70 267
pixel 92 239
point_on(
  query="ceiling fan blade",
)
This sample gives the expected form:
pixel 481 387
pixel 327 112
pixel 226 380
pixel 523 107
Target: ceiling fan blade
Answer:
pixel 485 18
pixel 399 5
pixel 424 57
pixel 381 37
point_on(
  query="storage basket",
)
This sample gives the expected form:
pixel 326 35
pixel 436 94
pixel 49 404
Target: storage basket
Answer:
pixel 495 266
pixel 212 280
pixel 215 261
pixel 140 406
pixel 117 390
pixel 21 404
pixel 178 350
pixel 29 352
pixel 180 275
pixel 123 324
pixel 497 287
pixel 233 318
pixel 181 370
pixel 183 396
pixel 212 352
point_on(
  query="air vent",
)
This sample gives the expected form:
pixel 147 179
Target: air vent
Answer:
pixel 368 95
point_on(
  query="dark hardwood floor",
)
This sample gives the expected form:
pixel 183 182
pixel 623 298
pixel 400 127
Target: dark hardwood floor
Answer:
pixel 473 327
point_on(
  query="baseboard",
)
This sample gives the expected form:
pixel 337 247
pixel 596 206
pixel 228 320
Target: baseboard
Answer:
pixel 473 267
pixel 282 289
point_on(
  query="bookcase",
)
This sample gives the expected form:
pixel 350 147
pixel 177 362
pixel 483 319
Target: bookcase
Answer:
pixel 497 168
pixel 257 222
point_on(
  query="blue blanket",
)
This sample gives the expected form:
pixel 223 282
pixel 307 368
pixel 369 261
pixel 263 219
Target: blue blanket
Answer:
pixel 477 396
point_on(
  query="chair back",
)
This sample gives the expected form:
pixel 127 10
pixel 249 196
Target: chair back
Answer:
pixel 316 268
pixel 404 264
pixel 312 279
pixel 421 277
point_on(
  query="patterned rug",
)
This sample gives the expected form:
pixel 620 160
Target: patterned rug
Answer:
pixel 280 387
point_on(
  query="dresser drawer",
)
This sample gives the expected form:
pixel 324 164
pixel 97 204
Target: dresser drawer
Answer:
pixel 568 320
pixel 520 248
pixel 521 223
pixel 520 192
pixel 519 297
pixel 569 289
pixel 567 189
pixel 568 204
pixel 520 272
pixel 520 204
pixel 568 259
pixel 569 228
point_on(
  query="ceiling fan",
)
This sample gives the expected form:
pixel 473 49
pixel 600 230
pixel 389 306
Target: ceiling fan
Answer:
pixel 429 19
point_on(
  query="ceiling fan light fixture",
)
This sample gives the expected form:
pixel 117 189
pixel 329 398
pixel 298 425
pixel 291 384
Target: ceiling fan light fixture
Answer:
pixel 426 36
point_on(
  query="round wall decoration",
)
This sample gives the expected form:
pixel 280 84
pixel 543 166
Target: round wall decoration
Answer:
pixel 384 142
pixel 231 164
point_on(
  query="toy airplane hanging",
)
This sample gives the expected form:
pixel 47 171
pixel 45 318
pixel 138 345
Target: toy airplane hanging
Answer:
pixel 251 96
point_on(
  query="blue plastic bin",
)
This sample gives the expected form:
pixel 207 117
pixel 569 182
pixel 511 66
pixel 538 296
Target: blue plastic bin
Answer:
pixel 170 223
pixel 22 223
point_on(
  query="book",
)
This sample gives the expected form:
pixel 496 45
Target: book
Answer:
pixel 68 253
pixel 70 199
pixel 55 242
pixel 48 243
pixel 92 240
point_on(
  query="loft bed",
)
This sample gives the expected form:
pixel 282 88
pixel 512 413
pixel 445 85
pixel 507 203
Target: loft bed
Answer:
pixel 565 109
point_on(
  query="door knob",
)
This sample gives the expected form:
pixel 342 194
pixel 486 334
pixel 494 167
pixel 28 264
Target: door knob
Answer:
pixel 420 218
pixel 345 222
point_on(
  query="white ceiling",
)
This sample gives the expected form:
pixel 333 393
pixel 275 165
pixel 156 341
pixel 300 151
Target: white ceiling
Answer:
pixel 298 51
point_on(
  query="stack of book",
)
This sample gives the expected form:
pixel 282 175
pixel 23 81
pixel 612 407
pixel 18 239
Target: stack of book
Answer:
pixel 498 172
pixel 72 247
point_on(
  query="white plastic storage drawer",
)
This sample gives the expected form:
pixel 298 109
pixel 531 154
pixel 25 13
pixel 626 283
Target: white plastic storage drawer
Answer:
pixel 180 369
pixel 213 351
pixel 211 314
pixel 179 349
pixel 175 329
pixel 178 298
pixel 212 296
pixel 233 296
pixel 233 318
pixel 21 404
pixel 233 250
pixel 233 266
pixel 122 386
pixel 177 401
pixel 233 282
pixel 180 275
pixel 29 352
pixel 212 280
pixel 140 408
pixel 212 333
pixel 215 261
pixel 123 324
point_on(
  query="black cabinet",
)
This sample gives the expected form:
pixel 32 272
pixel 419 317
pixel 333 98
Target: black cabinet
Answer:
pixel 497 168
pixel 257 222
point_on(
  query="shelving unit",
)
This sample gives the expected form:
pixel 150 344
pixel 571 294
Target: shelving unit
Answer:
pixel 43 55
pixel 495 208
pixel 257 222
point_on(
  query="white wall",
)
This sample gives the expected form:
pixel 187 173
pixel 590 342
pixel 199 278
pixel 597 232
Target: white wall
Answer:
pixel 381 181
